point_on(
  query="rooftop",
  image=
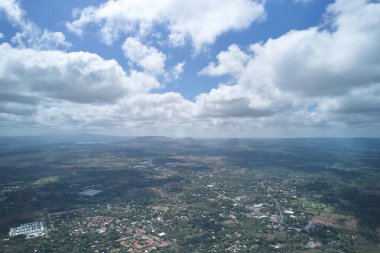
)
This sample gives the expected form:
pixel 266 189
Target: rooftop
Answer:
pixel 89 192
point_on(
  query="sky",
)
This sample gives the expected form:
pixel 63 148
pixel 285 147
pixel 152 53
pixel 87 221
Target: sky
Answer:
pixel 200 68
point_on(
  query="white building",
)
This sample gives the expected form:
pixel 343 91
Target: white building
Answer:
pixel 31 230
pixel 89 193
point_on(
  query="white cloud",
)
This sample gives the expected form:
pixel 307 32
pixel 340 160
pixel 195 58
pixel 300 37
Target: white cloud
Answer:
pixel 331 68
pixel 315 81
pixel 78 90
pixel 165 107
pixel 31 35
pixel 231 62
pixel 177 70
pixel 198 20
pixel 362 100
pixel 316 63
pixel 140 82
pixel 78 76
pixel 136 114
pixel 12 10
pixel 34 37
pixel 1 36
pixel 237 102
pixel 149 58
pixel 313 62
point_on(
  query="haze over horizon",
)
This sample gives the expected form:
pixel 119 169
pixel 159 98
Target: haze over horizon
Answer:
pixel 215 68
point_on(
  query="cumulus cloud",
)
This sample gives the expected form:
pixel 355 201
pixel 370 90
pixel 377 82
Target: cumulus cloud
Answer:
pixel 147 57
pixel 236 102
pixel 199 21
pixel 305 65
pixel 78 76
pixel 317 62
pixel 314 62
pixel 230 62
pixel 362 100
pixel 31 35
pixel 140 82
pixel 142 112
pixel 299 84
pixel 77 90
pixel 169 106
pixel 151 60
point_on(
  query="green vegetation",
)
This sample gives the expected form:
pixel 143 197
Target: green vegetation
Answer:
pixel 168 195
pixel 306 204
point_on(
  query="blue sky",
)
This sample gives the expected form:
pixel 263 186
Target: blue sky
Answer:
pixel 239 68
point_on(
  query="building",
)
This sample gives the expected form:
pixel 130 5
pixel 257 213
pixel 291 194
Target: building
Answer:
pixel 31 230
pixel 89 193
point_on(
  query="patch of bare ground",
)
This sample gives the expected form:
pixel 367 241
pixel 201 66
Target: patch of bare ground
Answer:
pixel 335 220
pixel 161 208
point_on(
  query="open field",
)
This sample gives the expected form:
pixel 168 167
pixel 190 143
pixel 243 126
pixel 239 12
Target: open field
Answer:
pixel 335 220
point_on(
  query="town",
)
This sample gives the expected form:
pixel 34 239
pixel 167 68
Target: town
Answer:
pixel 121 200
